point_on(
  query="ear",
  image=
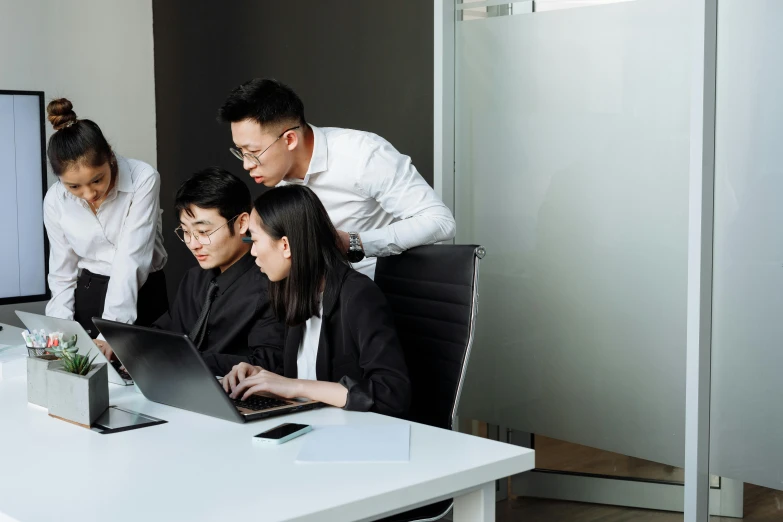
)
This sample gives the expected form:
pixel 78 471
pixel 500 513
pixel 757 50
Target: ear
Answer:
pixel 285 247
pixel 242 223
pixel 291 140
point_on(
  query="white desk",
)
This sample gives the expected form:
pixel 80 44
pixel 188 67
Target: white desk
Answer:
pixel 198 468
pixel 10 335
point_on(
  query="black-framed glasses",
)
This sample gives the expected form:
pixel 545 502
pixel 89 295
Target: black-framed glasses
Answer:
pixel 256 158
pixel 185 235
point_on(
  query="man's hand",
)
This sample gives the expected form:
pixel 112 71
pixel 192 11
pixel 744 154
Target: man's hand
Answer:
pixel 105 348
pixel 239 373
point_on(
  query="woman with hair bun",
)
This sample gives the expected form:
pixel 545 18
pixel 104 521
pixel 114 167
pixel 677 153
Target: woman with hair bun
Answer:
pixel 103 220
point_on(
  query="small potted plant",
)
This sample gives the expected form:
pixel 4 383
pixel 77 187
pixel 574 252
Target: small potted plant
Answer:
pixel 78 390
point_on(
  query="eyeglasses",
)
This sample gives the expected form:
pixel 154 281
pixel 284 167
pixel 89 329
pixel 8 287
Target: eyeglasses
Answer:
pixel 252 157
pixel 184 235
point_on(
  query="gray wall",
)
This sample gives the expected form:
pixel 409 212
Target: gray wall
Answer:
pixel 355 64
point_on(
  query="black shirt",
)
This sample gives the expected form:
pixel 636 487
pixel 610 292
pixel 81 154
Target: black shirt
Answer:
pixel 241 325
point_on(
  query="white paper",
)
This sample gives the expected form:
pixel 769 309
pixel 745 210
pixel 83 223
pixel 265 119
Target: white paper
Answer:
pixel 357 443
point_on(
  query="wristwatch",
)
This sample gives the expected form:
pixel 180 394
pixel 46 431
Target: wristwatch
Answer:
pixel 355 250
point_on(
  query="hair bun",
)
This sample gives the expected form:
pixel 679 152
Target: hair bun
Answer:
pixel 60 113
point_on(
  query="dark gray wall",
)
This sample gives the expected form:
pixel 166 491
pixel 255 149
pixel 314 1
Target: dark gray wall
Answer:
pixel 359 64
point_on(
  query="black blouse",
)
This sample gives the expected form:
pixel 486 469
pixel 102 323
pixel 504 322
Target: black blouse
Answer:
pixel 358 346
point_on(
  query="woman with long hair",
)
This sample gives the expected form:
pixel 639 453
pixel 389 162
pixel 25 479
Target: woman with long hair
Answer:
pixel 341 345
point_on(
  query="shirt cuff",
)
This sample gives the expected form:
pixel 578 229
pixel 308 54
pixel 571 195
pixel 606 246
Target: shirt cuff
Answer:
pixel 376 243
pixel 360 396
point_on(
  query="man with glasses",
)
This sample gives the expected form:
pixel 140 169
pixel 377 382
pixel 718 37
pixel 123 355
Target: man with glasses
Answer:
pixel 223 304
pixel 374 195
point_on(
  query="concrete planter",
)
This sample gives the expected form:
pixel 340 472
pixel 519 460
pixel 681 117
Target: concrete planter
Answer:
pixel 80 399
pixel 37 376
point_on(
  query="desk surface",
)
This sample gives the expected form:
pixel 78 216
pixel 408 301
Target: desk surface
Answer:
pixel 10 335
pixel 199 468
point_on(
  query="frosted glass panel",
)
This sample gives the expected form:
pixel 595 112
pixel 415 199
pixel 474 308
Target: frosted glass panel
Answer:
pixel 554 5
pixel 572 169
pixel 747 342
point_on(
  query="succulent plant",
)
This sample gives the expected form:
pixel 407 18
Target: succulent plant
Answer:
pixel 73 361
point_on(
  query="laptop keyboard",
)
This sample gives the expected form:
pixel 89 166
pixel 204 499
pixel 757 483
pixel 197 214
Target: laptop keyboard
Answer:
pixel 259 403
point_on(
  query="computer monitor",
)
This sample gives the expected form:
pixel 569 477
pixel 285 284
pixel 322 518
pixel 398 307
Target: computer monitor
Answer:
pixel 24 263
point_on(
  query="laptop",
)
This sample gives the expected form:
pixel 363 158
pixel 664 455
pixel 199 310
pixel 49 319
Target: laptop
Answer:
pixel 86 347
pixel 168 369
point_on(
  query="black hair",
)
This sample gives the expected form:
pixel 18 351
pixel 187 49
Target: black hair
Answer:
pixel 264 101
pixel 75 141
pixel 216 188
pixel 294 211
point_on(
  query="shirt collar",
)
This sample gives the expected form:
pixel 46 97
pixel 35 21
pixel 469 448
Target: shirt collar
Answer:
pixel 318 162
pixel 234 272
pixel 124 178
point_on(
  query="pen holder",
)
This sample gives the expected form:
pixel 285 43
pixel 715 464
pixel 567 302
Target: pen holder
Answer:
pixel 37 367
pixel 35 352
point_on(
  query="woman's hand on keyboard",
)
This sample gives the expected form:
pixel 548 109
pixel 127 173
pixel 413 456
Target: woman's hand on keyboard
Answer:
pixel 267 382
pixel 239 373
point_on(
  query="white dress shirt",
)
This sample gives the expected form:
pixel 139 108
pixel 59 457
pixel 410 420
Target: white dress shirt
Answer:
pixel 308 348
pixel 123 240
pixel 368 187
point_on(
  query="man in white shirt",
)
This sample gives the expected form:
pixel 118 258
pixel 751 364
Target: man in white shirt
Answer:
pixel 376 198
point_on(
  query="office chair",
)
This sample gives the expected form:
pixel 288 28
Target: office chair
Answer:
pixel 433 293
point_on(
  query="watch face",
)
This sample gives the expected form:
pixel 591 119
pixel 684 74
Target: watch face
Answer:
pixel 354 256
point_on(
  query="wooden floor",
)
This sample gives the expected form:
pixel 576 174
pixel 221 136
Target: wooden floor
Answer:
pixel 761 505
pixel 559 455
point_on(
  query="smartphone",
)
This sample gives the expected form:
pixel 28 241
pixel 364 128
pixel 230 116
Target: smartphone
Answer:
pixel 281 434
